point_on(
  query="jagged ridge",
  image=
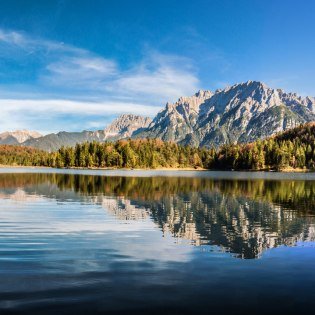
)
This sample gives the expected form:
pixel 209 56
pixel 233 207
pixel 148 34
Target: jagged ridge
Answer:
pixel 240 113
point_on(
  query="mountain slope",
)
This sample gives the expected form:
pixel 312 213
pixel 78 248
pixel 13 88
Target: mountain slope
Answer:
pixel 248 111
pixel 53 142
pixel 177 120
pixel 291 149
pixel 241 113
pixel 122 127
pixel 18 136
pixel 125 126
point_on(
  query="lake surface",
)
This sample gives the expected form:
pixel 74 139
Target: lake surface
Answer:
pixel 156 242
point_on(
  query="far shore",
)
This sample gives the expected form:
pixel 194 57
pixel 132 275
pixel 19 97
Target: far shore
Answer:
pixel 284 170
pixel 111 168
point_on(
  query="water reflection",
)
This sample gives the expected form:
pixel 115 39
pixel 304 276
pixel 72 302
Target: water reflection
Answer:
pixel 242 217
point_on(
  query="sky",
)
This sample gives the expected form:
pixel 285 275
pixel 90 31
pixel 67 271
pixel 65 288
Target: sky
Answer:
pixel 76 65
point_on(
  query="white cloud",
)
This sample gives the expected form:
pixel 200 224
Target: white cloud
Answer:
pixel 35 114
pixel 26 42
pixel 165 82
pixel 87 72
pixel 69 107
pixel 12 37
pixel 165 77
pixel 65 72
pixel 69 67
pixel 162 77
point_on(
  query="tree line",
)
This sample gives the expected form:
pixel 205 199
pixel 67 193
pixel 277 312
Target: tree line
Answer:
pixel 294 148
pixel 138 153
pixel 24 156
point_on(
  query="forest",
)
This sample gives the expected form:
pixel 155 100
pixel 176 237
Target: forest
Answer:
pixel 294 149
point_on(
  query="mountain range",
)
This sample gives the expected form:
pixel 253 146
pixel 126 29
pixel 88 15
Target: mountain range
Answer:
pixel 122 127
pixel 240 113
pixel 18 136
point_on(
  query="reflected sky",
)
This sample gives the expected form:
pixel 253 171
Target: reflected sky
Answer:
pixel 73 242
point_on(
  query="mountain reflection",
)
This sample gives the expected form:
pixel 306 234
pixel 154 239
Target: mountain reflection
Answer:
pixel 239 216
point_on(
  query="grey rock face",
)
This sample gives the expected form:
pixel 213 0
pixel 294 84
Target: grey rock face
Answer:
pixel 125 126
pixel 240 113
pixel 177 120
pixel 18 136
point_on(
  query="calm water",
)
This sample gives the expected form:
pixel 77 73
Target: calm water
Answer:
pixel 119 242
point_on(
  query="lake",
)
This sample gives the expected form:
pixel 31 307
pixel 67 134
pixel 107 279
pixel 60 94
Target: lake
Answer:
pixel 156 242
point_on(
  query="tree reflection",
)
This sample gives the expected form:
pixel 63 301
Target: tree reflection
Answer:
pixel 244 217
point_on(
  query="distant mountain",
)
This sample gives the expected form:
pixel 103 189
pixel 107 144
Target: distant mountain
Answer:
pixel 240 113
pixel 18 136
pixel 52 142
pixel 122 127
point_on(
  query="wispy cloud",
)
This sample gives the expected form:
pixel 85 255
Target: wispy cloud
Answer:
pixel 167 77
pixel 12 37
pixel 69 67
pixel 66 107
pixel 47 115
pixel 68 80
pixel 24 41
pixel 80 71
pixel 164 81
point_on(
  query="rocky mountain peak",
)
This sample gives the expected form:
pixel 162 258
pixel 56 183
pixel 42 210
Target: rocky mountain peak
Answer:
pixel 125 125
pixel 254 94
pixel 193 102
pixel 249 88
pixel 204 94
pixel 251 110
pixel 177 119
pixel 238 113
pixel 255 83
pixel 18 136
pixel 243 112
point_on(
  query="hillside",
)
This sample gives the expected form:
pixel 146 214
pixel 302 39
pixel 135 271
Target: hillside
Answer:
pixel 18 136
pixel 53 142
pixel 122 127
pixel 294 148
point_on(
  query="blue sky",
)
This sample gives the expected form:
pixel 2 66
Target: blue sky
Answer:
pixel 74 65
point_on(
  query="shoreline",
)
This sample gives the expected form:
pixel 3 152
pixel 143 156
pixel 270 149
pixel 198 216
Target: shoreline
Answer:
pixel 110 168
pixel 199 169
